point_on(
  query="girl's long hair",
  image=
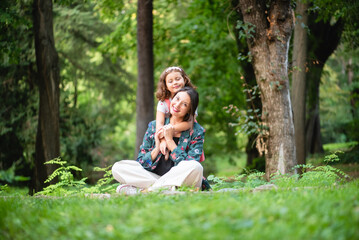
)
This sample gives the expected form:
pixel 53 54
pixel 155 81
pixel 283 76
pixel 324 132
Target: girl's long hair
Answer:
pixel 162 92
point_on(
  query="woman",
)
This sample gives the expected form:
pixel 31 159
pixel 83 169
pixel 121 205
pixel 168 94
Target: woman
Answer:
pixel 151 171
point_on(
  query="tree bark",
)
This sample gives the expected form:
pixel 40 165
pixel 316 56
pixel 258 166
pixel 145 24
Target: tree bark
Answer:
pixel 269 48
pixel 299 79
pixel 145 83
pixel 48 134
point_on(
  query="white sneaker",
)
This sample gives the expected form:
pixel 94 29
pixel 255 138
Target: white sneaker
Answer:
pixel 128 189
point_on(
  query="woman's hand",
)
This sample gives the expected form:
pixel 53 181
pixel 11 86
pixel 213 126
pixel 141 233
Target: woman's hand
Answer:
pixel 163 147
pixel 157 140
pixel 156 150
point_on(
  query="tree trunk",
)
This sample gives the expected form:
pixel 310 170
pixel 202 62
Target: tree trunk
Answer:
pixel 298 81
pixel 322 42
pixel 249 79
pixel 269 48
pixel 48 136
pixel 354 93
pixel 145 84
pixel 313 135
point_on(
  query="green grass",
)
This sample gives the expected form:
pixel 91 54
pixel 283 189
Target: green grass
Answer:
pixel 318 205
pixel 296 213
pixel 339 146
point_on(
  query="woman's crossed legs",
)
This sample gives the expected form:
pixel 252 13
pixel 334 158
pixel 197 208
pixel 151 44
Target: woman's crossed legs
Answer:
pixel 186 173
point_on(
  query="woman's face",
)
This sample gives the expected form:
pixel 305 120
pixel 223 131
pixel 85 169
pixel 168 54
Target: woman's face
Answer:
pixel 180 104
pixel 174 82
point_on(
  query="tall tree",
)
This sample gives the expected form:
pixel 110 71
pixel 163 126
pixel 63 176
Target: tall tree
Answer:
pixel 144 100
pixel 253 102
pixel 48 134
pixel 299 79
pixel 268 26
pixel 322 42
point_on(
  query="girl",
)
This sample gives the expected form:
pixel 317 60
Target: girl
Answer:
pixel 171 80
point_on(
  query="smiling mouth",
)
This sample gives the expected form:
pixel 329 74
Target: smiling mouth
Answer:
pixel 174 109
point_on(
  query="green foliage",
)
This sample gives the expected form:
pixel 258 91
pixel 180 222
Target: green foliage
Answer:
pixel 104 184
pixel 258 164
pixel 314 176
pixel 10 177
pixel 338 102
pixel 4 188
pixel 18 115
pixel 246 30
pixel 346 11
pixel 16 28
pixel 198 35
pixel 222 182
pixel 249 120
pixel 66 184
pixel 247 180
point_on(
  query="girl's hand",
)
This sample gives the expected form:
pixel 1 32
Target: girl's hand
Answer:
pixel 168 132
pixel 160 133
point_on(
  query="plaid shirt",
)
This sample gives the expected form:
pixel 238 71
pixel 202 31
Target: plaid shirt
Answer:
pixel 189 147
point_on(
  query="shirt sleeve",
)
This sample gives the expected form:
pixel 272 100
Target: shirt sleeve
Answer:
pixel 195 148
pixel 148 144
pixel 161 107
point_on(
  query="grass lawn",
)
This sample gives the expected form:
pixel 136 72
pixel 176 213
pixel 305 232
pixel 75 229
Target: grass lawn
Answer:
pixel 319 205
pixel 293 213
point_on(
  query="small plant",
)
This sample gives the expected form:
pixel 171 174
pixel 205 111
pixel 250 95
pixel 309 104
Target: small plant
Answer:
pixel 285 180
pixel 332 158
pixel 4 188
pixel 255 179
pixel 104 184
pixel 324 175
pixel 66 183
pixel 223 182
pixel 247 180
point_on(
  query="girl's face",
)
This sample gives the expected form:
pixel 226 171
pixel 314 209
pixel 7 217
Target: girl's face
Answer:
pixel 174 82
pixel 180 104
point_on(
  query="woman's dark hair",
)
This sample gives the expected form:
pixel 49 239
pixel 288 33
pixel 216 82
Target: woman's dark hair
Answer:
pixel 193 94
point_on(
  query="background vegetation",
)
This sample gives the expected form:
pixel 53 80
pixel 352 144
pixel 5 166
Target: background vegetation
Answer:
pixel 96 43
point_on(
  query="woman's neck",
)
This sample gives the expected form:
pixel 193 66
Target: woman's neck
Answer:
pixel 174 120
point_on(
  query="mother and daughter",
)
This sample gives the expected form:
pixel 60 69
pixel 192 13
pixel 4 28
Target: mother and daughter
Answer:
pixel 172 147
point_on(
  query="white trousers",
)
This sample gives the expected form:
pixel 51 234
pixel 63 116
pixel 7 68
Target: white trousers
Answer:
pixel 186 173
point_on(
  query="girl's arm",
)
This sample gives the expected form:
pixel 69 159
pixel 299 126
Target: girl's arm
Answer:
pixel 183 126
pixel 160 121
